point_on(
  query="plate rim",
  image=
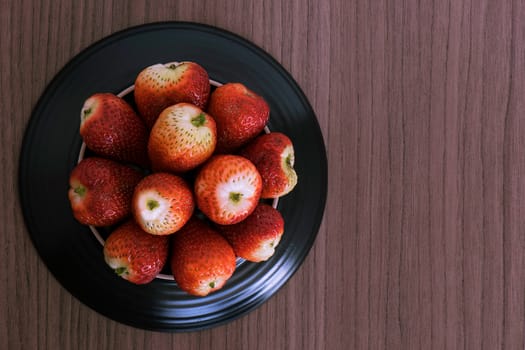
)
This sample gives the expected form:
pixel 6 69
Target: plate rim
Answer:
pixel 84 54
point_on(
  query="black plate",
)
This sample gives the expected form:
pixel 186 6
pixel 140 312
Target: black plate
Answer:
pixel 51 147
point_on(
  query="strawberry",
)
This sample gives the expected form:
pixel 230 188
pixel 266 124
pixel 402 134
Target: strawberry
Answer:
pixel 182 138
pixel 240 115
pixel 162 85
pixel 273 155
pixel 256 237
pixel 201 259
pixel 227 188
pixel 112 129
pixel 134 254
pixel 162 203
pixel 100 191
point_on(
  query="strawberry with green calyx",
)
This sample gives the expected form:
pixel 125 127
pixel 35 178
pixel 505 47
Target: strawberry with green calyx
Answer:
pixel 162 203
pixel 134 254
pixel 240 115
pixel 111 128
pixel 182 138
pixel 162 85
pixel 202 261
pixel 256 237
pixel 227 189
pixel 273 155
pixel 100 191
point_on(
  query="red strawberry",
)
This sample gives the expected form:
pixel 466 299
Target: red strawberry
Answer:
pixel 182 138
pixel 112 129
pixel 201 259
pixel 134 254
pixel 256 237
pixel 273 155
pixel 240 115
pixel 227 189
pixel 162 85
pixel 100 191
pixel 162 203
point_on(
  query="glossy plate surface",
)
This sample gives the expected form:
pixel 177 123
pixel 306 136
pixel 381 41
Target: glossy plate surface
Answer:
pixel 51 147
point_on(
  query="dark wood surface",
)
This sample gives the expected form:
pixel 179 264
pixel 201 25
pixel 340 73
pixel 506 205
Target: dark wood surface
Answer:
pixel 421 104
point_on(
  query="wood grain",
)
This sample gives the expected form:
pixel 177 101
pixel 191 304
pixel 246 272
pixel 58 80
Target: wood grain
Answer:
pixel 421 103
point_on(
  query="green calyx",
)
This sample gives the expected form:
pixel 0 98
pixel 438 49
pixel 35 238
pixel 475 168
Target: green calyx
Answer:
pixel 289 161
pixel 152 204
pixel 80 190
pixel 235 197
pixel 86 113
pixel 120 270
pixel 199 120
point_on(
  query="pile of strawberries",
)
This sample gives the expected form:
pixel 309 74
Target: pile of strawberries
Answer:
pixel 183 177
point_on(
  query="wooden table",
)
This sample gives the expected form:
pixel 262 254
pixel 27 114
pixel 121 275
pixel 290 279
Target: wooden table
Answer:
pixel 421 104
